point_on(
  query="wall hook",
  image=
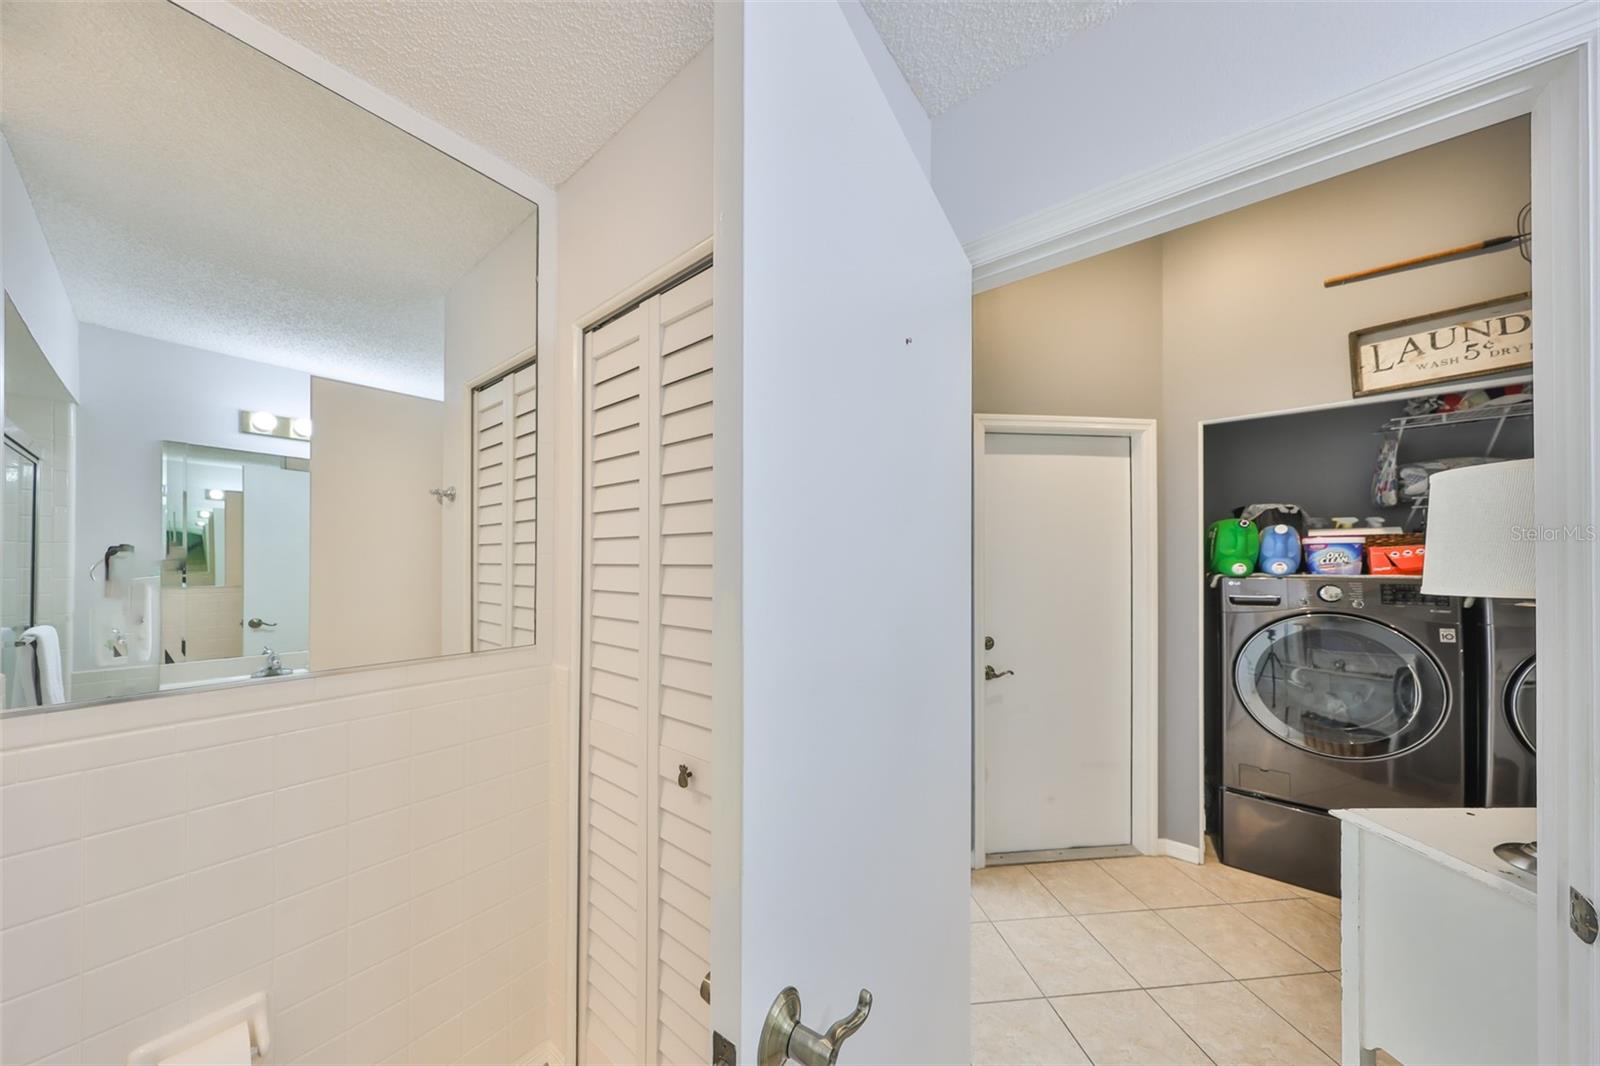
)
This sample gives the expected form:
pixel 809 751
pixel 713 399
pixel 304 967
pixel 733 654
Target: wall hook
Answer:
pixel 444 494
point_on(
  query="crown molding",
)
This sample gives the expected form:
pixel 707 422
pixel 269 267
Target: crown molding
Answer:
pixel 1455 94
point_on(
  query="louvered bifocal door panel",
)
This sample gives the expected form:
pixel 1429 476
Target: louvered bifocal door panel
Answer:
pixel 613 883
pixel 490 516
pixel 646 701
pixel 681 682
pixel 522 439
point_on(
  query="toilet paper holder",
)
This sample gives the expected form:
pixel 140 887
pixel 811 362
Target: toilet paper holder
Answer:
pixel 252 1011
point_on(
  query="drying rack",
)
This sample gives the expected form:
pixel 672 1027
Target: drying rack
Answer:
pixel 1497 413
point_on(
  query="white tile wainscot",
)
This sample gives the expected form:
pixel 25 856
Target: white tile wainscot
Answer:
pixel 371 848
pixel 1439 949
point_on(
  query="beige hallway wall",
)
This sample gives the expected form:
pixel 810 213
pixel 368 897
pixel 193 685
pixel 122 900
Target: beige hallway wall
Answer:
pixel 1245 328
pixel 1081 340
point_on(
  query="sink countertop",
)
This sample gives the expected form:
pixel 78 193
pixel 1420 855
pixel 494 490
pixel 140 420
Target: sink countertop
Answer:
pixel 1460 838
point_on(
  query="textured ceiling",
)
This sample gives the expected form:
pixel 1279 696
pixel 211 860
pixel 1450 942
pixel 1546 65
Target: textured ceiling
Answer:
pixel 951 49
pixel 541 83
pixel 195 191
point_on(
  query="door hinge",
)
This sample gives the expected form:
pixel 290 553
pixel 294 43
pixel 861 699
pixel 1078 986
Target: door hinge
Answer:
pixel 723 1053
pixel 1582 918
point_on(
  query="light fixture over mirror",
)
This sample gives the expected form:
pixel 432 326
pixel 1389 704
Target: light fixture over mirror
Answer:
pixel 248 258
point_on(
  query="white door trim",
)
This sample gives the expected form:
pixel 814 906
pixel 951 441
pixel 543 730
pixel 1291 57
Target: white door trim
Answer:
pixel 1140 434
pixel 1547 69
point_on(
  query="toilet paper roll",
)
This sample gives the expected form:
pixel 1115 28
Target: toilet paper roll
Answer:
pixel 231 1047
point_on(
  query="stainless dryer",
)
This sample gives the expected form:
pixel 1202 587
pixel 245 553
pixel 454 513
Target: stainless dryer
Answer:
pixel 1341 692
pixel 1503 638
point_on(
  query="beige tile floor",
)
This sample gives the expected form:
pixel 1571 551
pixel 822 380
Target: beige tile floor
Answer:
pixel 1123 962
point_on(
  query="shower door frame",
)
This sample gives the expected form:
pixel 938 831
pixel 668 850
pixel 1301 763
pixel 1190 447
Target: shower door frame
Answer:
pixel 33 533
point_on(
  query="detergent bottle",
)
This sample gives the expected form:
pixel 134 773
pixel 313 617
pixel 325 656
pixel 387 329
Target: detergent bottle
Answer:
pixel 1280 550
pixel 1232 546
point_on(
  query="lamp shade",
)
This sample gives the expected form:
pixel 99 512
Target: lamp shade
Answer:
pixel 1481 534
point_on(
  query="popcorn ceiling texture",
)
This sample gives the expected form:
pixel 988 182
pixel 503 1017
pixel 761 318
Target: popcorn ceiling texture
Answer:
pixel 951 49
pixel 541 83
pixel 195 191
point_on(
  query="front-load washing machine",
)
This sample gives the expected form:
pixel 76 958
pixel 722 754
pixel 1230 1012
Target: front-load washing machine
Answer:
pixel 1340 692
pixel 1502 633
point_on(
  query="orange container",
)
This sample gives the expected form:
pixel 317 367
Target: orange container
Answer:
pixel 1405 557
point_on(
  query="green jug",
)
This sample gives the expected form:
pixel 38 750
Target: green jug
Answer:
pixel 1232 546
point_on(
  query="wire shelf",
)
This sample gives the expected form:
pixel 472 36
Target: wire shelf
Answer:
pixel 1495 412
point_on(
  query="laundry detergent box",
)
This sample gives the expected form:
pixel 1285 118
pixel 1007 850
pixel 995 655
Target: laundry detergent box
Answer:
pixel 1333 551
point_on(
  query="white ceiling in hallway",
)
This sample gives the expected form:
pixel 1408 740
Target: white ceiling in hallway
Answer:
pixel 951 49
pixel 541 83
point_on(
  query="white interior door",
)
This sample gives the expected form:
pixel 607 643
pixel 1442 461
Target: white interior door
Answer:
pixel 645 706
pixel 277 557
pixel 375 575
pixel 845 607
pixel 1057 573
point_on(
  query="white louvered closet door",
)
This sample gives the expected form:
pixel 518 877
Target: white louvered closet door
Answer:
pixel 644 941
pixel 489 515
pixel 504 509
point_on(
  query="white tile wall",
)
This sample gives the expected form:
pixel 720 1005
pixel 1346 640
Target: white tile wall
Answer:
pixel 370 848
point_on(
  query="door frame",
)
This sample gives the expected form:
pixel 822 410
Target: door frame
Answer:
pixel 1140 433
pixel 1548 68
pixel 575 438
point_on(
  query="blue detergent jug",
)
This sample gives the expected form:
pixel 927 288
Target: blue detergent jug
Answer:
pixel 1280 550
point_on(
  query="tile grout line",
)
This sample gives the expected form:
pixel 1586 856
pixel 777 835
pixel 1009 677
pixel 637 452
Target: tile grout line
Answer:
pixel 1314 907
pixel 1162 1007
pixel 1286 1019
pixel 1018 959
pixel 1200 948
pixel 1070 913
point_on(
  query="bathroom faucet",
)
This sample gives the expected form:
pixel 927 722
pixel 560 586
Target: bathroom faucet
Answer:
pixel 274 667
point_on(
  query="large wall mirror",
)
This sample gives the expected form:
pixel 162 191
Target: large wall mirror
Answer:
pixel 270 384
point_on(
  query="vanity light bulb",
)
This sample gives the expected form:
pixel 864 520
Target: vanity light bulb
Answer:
pixel 301 427
pixel 263 421
pixel 213 494
pixel 205 514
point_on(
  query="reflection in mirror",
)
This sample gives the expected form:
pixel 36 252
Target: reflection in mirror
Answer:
pixel 250 330
pixel 236 579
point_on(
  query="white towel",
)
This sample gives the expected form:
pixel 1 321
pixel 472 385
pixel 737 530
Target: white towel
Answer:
pixel 37 680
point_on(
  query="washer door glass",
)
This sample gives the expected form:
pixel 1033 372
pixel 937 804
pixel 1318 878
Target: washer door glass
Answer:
pixel 1521 704
pixel 1347 688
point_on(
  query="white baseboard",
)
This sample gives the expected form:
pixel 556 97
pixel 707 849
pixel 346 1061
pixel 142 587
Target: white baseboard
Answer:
pixel 546 1054
pixel 1178 850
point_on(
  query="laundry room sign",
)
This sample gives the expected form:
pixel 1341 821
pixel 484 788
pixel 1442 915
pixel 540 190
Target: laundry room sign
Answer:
pixel 1467 342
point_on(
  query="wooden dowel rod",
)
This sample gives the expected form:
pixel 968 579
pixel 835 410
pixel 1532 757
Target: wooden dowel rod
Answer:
pixel 1493 244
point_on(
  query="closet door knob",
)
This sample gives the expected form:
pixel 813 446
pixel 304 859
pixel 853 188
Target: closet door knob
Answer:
pixel 684 773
